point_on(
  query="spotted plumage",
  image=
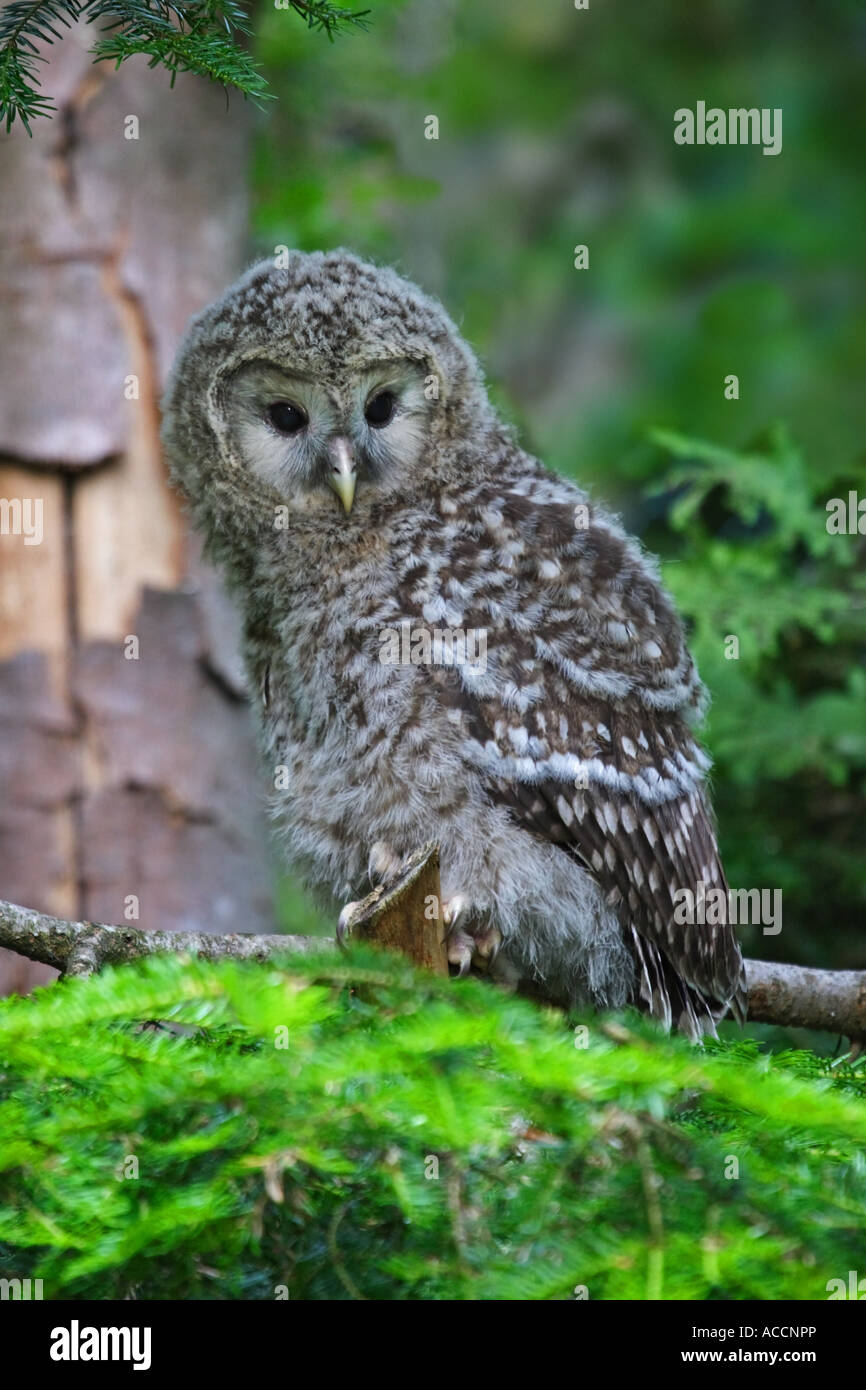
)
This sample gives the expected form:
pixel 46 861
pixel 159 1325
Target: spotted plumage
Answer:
pixel 333 435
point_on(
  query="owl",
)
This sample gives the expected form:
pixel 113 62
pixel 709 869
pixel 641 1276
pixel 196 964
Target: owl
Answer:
pixel 447 641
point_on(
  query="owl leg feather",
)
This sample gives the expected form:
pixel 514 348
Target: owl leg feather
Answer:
pixel 384 863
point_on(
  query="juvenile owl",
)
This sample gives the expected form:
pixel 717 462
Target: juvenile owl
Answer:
pixel 447 641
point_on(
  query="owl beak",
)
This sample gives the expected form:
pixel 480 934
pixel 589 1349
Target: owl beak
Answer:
pixel 342 477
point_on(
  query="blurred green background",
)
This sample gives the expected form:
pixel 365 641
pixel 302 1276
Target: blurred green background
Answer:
pixel 556 129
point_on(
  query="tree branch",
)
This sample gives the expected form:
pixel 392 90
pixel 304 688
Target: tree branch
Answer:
pixel 406 916
pixel 832 1001
pixel 80 948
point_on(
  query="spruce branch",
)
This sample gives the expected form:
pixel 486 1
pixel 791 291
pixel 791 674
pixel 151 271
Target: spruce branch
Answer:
pixel 320 14
pixel 397 917
pixel 23 24
pixel 206 54
pixel 195 36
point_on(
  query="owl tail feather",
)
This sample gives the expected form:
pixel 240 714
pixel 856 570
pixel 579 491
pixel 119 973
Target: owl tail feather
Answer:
pixel 665 996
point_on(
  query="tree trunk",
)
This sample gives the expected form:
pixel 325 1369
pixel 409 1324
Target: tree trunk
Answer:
pixel 128 783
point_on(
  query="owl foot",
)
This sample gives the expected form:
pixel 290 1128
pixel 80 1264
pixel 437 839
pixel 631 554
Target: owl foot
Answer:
pixel 385 867
pixel 469 945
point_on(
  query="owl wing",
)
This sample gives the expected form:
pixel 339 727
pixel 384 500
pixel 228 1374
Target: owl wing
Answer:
pixel 579 720
pixel 640 853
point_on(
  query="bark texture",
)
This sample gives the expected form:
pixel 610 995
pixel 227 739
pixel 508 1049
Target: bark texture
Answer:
pixel 128 780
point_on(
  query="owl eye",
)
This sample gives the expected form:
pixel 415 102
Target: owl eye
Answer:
pixel 379 409
pixel 286 418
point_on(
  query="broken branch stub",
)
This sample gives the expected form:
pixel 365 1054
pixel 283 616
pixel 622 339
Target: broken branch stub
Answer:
pixel 406 916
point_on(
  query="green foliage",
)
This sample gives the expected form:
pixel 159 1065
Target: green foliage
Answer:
pixel 22 24
pixel 751 559
pixel 193 36
pixel 261 1166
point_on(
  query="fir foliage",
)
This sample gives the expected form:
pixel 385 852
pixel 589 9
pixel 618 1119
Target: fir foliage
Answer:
pixel 414 1140
pixel 196 37
pixel 752 559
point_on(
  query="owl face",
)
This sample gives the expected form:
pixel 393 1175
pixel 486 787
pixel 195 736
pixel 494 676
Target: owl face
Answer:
pixel 326 384
pixel 315 439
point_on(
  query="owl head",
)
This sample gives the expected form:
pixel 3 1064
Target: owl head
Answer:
pixel 324 384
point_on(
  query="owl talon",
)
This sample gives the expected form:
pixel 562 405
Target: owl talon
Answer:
pixel 487 944
pixel 468 945
pixel 344 922
pixel 454 909
pixel 459 950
